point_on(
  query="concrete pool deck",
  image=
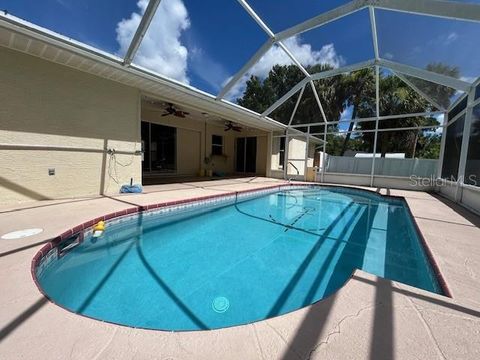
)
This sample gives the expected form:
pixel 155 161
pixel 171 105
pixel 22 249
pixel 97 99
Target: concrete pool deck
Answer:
pixel 369 318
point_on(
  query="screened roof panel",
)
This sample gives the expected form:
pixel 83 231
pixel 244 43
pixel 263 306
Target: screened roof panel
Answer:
pixel 308 111
pixel 92 22
pixel 441 95
pixel 274 12
pixel 397 97
pixel 348 96
pixel 274 73
pixel 199 48
pixel 345 41
pixel 205 44
pixel 284 112
pixel 444 46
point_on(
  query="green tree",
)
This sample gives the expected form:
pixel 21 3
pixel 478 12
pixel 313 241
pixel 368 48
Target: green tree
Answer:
pixel 356 90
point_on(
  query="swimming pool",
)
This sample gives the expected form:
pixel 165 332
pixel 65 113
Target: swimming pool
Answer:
pixel 235 260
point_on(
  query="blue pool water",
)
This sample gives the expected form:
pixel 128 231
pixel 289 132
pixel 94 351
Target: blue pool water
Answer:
pixel 220 266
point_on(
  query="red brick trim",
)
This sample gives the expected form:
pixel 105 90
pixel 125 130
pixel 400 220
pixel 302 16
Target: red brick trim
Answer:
pixel 139 209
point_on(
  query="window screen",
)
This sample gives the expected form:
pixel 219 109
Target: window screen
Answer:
pixel 453 146
pixel 472 169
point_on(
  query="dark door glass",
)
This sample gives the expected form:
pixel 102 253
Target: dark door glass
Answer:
pixel 240 156
pixel 251 155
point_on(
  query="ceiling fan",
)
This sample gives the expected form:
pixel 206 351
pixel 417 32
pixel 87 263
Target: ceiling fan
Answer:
pixel 231 126
pixel 172 110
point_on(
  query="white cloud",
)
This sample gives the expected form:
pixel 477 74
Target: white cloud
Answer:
pixel 388 56
pixel 161 49
pixel 276 56
pixel 450 38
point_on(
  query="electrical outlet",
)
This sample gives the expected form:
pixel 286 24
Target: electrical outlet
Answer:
pixel 51 172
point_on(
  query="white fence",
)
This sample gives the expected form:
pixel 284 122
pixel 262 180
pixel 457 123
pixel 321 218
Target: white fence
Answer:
pixel 424 168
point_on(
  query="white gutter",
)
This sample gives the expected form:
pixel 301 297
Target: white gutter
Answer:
pixel 32 31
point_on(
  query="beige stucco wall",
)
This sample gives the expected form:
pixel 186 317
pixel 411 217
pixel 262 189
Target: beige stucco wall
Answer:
pixel 192 135
pixel 50 105
pixel 296 156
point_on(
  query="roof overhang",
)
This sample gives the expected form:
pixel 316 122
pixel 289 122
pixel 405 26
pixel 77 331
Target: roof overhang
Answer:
pixel 28 38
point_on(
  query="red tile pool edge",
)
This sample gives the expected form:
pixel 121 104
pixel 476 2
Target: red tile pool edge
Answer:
pixel 137 209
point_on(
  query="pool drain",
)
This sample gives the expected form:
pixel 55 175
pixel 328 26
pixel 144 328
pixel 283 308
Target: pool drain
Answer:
pixel 20 234
pixel 220 304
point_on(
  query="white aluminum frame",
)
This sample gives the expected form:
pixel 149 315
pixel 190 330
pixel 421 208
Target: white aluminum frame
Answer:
pixel 147 18
pixel 435 8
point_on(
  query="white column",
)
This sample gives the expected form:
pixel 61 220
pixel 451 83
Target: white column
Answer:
pixel 285 157
pixel 324 152
pixel 307 144
pixel 442 146
pixel 268 170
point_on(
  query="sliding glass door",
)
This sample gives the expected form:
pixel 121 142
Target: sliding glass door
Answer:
pixel 159 145
pixel 246 155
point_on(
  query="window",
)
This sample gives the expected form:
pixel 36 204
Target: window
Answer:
pixel 217 145
pixel 472 168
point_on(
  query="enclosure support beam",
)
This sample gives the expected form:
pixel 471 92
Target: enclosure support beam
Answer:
pixel 343 70
pixel 467 127
pixel 380 118
pixel 443 9
pixel 426 75
pixel 296 106
pixel 294 59
pixel 315 93
pixel 141 31
pixel 321 19
pixel 285 97
pixel 373 24
pixel 381 130
pixel 253 60
pixel 256 18
pixel 271 35
pixel 377 113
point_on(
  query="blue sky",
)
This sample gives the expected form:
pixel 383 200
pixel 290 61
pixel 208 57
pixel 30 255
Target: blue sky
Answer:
pixel 204 43
pixel 89 21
